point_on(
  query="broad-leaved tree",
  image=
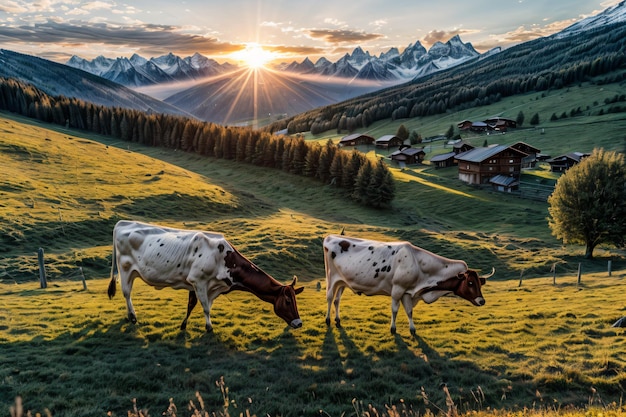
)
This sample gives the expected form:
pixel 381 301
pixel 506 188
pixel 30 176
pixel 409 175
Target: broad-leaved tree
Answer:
pixel 588 205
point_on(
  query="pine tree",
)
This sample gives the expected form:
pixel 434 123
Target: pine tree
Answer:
pixel 360 191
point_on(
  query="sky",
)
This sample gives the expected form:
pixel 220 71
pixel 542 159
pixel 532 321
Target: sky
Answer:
pixel 258 31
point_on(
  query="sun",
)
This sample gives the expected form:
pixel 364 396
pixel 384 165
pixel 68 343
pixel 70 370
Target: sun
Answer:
pixel 254 56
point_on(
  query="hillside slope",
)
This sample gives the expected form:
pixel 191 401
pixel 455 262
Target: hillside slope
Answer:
pixel 64 192
pixel 62 80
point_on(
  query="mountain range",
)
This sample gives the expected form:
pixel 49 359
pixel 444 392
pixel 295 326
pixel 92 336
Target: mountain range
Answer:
pixel 200 87
pixel 414 61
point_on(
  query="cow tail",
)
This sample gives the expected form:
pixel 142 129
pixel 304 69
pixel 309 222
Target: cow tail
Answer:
pixel 112 283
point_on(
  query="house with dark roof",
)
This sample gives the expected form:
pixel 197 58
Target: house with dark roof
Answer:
pixel 564 162
pixel 531 152
pixel 408 155
pixel 445 160
pixel 389 141
pixel 480 165
pixel 500 123
pixel 504 183
pixel 356 139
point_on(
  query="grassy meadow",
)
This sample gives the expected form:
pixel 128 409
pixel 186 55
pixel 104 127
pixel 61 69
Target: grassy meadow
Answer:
pixel 540 344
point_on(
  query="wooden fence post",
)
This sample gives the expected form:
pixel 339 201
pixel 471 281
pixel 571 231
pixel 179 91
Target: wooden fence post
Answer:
pixel 83 276
pixel 554 274
pixel 609 267
pixel 42 269
pixel 579 270
pixel 520 278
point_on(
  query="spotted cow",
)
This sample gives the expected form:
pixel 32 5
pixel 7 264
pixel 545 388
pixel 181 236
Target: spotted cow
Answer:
pixel 398 269
pixel 203 263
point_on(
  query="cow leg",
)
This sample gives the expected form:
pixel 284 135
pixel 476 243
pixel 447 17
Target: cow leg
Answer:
pixel 206 300
pixel 407 302
pixel 395 305
pixel 193 300
pixel 333 297
pixel 126 280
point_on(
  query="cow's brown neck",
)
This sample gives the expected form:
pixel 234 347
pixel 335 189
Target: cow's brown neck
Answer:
pixel 248 277
pixel 449 284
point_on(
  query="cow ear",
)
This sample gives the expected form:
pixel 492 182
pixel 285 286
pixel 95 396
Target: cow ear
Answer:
pixel 483 281
pixel 299 290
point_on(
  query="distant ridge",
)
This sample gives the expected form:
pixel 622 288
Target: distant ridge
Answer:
pixel 61 80
pixel 389 66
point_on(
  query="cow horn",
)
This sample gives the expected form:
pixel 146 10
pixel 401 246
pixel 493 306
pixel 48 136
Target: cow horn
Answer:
pixel 493 271
pixel 295 280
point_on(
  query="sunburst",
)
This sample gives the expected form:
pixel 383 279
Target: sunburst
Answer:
pixel 254 56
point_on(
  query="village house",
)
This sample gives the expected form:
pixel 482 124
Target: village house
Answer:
pixel 389 141
pixel 356 139
pixel 479 165
pixel 564 162
pixel 531 152
pixel 407 155
pixel 448 159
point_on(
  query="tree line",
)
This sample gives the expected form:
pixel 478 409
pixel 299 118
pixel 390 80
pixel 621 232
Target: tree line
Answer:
pixel 540 65
pixel 366 182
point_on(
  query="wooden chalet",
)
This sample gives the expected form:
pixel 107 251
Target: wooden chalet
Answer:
pixel 407 155
pixel 480 165
pixel 473 126
pixel 531 152
pixel 500 123
pixel 564 162
pixel 461 146
pixel 445 160
pixel 356 139
pixel 389 141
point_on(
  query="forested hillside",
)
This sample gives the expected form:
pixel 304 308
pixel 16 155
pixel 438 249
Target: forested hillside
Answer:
pixel 365 181
pixel 539 65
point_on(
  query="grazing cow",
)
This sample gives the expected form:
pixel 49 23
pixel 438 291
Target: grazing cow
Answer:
pixel 397 269
pixel 203 263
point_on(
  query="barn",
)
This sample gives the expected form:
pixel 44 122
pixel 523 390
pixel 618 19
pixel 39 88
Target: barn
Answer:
pixel 356 139
pixel 389 141
pixel 564 162
pixel 408 155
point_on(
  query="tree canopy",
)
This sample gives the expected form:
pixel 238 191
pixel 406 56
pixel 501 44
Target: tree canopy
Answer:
pixel 588 205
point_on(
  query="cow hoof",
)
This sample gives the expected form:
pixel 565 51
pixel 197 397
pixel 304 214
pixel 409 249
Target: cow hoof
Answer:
pixel 183 325
pixel 413 332
pixel 338 324
pixel 328 322
pixel 209 329
pixel 393 330
pixel 132 318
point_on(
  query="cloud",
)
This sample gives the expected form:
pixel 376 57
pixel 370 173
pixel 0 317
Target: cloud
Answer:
pixel 435 36
pixel 524 33
pixel 163 38
pixel 338 36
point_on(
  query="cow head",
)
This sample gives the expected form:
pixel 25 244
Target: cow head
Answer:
pixel 470 286
pixel 285 305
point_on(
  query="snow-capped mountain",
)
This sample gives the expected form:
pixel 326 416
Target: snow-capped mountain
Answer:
pixel 613 14
pixel 414 61
pixel 392 65
pixel 139 71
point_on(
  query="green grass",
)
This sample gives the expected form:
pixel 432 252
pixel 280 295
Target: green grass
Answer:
pixel 580 133
pixel 537 346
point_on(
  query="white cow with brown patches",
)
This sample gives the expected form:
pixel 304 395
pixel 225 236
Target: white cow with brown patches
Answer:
pixel 398 269
pixel 204 263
